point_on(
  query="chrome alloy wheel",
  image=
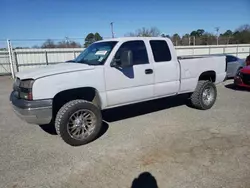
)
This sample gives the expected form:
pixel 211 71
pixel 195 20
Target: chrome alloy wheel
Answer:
pixel 81 124
pixel 208 95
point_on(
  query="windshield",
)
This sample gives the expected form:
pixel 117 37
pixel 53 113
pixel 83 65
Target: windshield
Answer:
pixel 96 54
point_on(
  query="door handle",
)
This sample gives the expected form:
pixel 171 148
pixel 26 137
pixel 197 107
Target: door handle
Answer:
pixel 148 71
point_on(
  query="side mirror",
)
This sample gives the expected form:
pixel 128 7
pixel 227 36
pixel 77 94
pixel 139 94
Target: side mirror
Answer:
pixel 127 58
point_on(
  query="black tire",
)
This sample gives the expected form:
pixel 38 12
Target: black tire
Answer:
pixel 196 98
pixel 64 114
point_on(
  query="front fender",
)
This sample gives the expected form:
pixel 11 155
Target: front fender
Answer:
pixel 48 87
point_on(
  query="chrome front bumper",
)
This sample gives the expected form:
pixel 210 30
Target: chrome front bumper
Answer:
pixel 34 112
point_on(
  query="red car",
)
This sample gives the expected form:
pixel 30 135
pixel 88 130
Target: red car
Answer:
pixel 242 79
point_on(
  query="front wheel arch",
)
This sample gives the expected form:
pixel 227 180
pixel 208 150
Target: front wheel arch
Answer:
pixel 89 94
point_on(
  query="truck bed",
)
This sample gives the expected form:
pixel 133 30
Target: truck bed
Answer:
pixel 199 56
pixel 188 57
pixel 192 66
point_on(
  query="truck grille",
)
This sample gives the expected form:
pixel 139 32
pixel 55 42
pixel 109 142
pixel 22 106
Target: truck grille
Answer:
pixel 246 78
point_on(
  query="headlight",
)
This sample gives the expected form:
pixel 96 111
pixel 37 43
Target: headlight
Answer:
pixel 25 89
pixel 26 84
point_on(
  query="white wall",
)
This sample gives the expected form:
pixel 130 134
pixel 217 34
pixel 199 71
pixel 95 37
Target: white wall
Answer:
pixel 241 50
pixel 4 63
pixel 31 58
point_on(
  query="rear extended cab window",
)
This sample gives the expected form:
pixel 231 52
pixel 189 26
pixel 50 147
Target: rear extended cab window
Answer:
pixel 161 51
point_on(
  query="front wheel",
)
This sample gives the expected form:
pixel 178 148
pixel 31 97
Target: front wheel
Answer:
pixel 204 96
pixel 78 122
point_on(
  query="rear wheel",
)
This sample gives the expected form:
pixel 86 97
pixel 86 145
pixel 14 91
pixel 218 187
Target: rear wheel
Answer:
pixel 204 95
pixel 78 122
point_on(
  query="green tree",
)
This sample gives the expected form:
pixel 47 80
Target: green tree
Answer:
pixel 165 36
pixel 200 32
pixel 228 33
pixel 193 33
pixel 225 38
pixel 186 35
pixel 197 33
pixel 200 36
pixel 98 37
pixel 176 39
pixel 186 39
pixel 208 39
pixel 242 34
pixel 91 38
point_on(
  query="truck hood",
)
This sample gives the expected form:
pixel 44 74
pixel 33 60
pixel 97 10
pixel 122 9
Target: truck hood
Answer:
pixel 246 70
pixel 52 70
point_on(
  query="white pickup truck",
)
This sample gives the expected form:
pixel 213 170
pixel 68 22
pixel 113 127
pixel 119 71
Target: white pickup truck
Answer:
pixel 112 73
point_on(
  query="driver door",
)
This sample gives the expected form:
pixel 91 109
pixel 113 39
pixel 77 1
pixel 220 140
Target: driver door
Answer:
pixel 130 84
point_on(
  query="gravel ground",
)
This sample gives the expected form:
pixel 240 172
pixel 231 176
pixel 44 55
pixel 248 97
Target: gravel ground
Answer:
pixel 163 143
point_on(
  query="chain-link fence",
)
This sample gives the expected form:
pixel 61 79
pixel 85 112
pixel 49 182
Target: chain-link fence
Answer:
pixel 4 58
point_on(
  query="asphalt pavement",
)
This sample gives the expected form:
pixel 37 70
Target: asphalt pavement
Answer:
pixel 161 143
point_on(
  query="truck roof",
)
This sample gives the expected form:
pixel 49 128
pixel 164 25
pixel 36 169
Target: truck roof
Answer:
pixel 122 39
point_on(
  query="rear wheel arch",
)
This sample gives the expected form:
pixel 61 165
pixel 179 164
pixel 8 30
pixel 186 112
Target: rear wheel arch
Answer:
pixel 208 75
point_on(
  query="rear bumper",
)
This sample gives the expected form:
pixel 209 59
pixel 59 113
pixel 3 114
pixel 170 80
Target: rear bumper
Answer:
pixel 34 112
